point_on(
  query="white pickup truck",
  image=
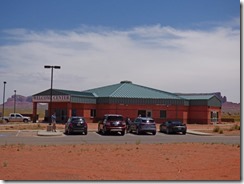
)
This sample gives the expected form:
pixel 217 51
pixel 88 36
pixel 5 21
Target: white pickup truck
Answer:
pixel 16 117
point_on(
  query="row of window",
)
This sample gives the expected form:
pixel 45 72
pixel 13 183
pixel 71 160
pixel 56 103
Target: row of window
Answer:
pixel 143 113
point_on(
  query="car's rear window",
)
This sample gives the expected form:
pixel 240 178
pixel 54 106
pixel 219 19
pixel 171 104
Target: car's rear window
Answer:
pixel 177 123
pixel 115 118
pixel 76 120
pixel 148 121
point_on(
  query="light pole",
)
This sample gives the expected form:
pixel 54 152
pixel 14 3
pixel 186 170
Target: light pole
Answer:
pixel 4 83
pixel 14 100
pixel 51 93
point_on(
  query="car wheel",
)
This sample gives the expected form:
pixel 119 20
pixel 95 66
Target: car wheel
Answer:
pixel 123 133
pixel 99 129
pixel 154 133
pixel 184 132
pixel 167 131
pixel 104 132
pixel 25 121
pixel 85 132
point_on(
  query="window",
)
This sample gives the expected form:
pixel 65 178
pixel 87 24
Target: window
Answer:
pixel 145 113
pixel 163 114
pixel 93 113
pixel 115 118
pixel 214 116
pixel 149 113
pixel 142 113
pixel 73 112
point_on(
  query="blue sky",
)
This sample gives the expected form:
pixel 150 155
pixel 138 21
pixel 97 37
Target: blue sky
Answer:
pixel 70 14
pixel 196 42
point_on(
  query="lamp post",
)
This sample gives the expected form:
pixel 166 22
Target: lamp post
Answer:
pixel 51 93
pixel 4 83
pixel 14 100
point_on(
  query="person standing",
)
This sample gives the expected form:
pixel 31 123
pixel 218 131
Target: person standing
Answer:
pixel 128 122
pixel 54 122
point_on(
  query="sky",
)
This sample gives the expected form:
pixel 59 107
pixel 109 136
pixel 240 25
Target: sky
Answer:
pixel 178 46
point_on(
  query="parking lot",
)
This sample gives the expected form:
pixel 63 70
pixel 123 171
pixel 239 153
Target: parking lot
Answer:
pixel 84 157
pixel 31 137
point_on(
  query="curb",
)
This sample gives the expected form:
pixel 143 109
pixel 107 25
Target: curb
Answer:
pixel 49 133
pixel 198 133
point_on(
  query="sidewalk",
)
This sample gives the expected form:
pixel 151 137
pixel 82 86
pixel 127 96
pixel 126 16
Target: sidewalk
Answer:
pixel 197 133
pixel 49 133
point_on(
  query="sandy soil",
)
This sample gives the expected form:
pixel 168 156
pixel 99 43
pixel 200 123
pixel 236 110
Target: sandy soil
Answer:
pixel 186 161
pixel 182 161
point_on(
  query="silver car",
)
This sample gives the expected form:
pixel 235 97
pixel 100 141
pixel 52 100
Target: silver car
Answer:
pixel 142 125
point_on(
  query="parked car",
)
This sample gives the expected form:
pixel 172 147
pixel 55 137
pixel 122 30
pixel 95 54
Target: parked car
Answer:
pixel 16 117
pixel 112 123
pixel 143 124
pixel 76 124
pixel 173 127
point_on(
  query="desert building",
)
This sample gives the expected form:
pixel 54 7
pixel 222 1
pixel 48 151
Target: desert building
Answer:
pixel 130 100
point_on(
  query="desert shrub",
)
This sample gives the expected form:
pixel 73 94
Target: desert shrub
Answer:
pixel 5 164
pixel 216 129
pixel 221 131
pixel 138 142
pixel 227 120
pixel 234 127
pixel 237 127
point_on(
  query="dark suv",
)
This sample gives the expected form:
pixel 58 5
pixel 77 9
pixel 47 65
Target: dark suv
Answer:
pixel 112 123
pixel 143 124
pixel 173 127
pixel 76 124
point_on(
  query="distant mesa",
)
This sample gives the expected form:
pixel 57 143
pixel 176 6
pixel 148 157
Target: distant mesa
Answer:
pixel 21 102
pixel 26 102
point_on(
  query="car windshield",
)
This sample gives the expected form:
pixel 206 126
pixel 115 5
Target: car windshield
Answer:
pixel 177 123
pixel 115 118
pixel 76 120
pixel 148 121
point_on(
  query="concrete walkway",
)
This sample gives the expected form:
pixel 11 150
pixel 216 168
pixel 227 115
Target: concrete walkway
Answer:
pixel 49 133
pixel 197 133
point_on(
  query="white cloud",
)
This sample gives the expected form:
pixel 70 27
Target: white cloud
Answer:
pixel 161 57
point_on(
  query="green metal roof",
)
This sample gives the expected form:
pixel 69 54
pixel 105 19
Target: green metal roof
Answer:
pixel 76 93
pixel 202 99
pixel 197 97
pixel 65 92
pixel 126 89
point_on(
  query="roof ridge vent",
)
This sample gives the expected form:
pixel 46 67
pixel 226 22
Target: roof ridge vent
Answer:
pixel 126 81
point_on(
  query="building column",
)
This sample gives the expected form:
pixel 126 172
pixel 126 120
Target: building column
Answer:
pixel 34 112
pixel 69 109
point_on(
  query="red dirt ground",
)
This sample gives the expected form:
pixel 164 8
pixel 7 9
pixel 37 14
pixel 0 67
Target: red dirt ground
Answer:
pixel 181 161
